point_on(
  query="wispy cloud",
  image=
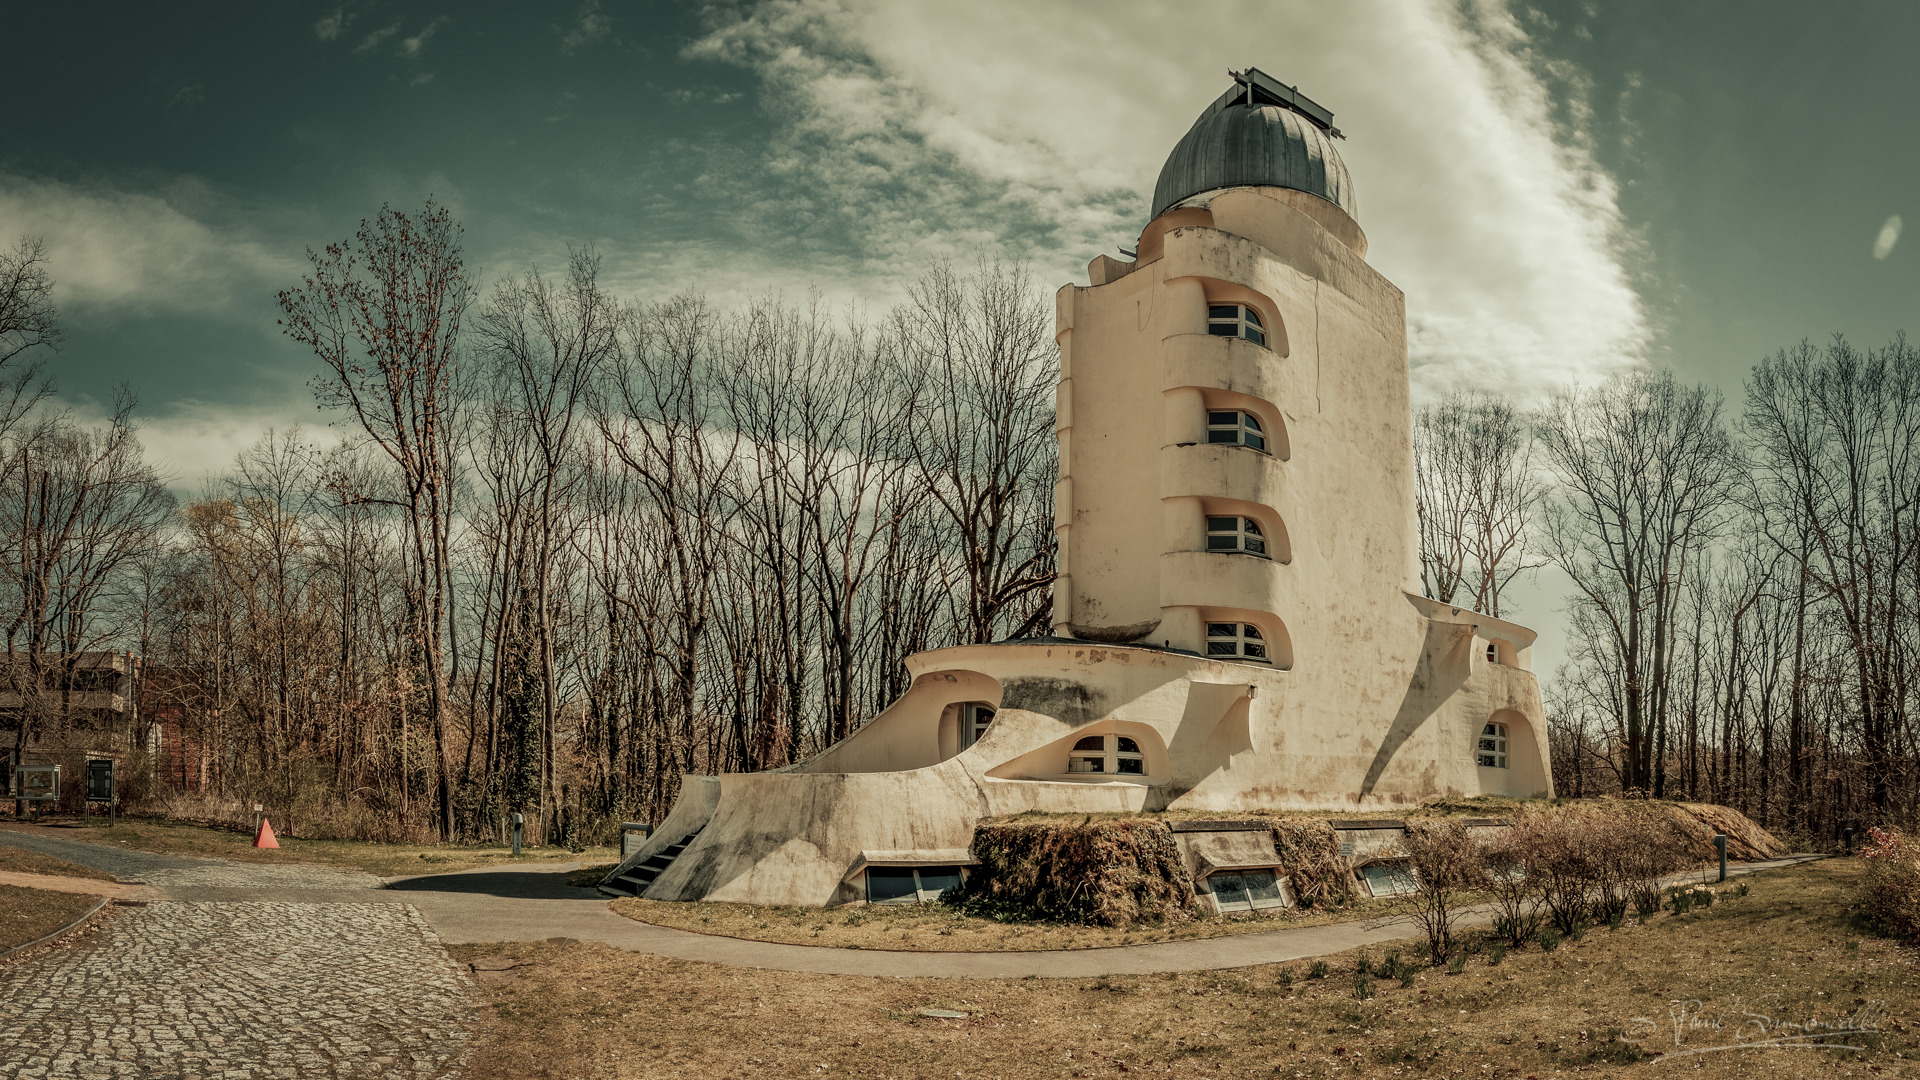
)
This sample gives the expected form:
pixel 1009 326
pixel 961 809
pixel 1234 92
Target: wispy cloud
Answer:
pixel 1480 199
pixel 591 26
pixel 375 39
pixel 329 27
pixel 1889 236
pixel 411 46
pixel 122 251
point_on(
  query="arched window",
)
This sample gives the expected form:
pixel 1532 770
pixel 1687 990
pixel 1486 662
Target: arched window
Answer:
pixel 1236 428
pixel 974 718
pixel 1236 534
pixel 1236 320
pixel 1493 652
pixel 1493 746
pixel 1108 754
pixel 1238 640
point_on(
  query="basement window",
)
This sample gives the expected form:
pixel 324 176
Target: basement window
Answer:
pixel 910 884
pixel 1236 534
pixel 1236 428
pixel 1493 746
pixel 1389 879
pixel 1246 890
pixel 1236 320
pixel 1236 640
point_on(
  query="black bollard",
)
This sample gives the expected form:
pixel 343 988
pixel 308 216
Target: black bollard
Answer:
pixel 1720 842
pixel 1848 834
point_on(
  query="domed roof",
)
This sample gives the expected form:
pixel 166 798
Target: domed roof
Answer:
pixel 1261 133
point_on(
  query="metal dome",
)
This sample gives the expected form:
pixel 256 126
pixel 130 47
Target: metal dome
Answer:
pixel 1261 133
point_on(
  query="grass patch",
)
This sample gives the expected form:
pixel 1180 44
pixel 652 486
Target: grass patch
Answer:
pixel 948 928
pixel 29 914
pixel 21 861
pixel 588 1010
pixel 383 860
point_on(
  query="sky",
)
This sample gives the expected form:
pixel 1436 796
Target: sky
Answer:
pixel 1563 191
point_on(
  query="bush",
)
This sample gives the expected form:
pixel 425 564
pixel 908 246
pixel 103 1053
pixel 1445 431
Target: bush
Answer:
pixel 1108 873
pixel 1548 937
pixel 1889 896
pixel 1362 985
pixel 1446 860
pixel 1317 970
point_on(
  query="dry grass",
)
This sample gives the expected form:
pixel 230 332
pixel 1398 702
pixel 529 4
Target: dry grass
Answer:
pixel 384 860
pixel 582 1010
pixel 21 861
pixel 943 928
pixel 27 914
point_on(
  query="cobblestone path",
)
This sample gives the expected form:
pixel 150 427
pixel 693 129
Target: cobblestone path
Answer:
pixel 240 991
pixel 260 985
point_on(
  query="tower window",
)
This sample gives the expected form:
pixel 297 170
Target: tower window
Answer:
pixel 1236 429
pixel 1493 653
pixel 1493 746
pixel 1239 640
pixel 1236 534
pixel 1236 320
pixel 974 718
pixel 1107 755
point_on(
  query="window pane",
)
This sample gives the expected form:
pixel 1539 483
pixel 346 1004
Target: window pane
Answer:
pixel 1222 524
pixel 1218 436
pixel 1222 648
pixel 1131 766
pixel 1223 543
pixel 1251 526
pixel 1223 329
pixel 1256 545
pixel 886 883
pixel 1263 888
pixel 1489 744
pixel 1223 311
pixel 1256 650
pixel 1254 335
pixel 1255 441
pixel 938 879
pixel 1252 631
pixel 1486 761
pixel 1128 746
pixel 1252 315
pixel 1091 742
pixel 1252 421
pixel 1228 418
pixel 1388 880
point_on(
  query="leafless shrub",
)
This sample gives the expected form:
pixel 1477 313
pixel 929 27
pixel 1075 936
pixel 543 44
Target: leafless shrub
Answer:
pixel 1512 876
pixel 1446 860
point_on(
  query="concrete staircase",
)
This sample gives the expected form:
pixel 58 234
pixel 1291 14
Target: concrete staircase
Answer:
pixel 634 880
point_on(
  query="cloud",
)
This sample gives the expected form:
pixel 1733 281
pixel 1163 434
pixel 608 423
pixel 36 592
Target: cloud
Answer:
pixel 914 128
pixel 141 252
pixel 373 41
pixel 590 27
pixel 193 442
pixel 412 46
pixel 329 27
pixel 1889 236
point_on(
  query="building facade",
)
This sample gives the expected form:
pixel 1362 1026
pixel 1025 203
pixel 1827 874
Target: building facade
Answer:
pixel 1237 621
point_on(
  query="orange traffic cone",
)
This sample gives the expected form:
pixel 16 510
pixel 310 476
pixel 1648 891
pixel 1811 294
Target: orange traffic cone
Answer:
pixel 264 838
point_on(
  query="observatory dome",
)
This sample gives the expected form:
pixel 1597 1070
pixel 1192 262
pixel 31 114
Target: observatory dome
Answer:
pixel 1259 134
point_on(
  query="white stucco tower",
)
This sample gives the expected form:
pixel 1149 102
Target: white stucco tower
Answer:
pixel 1237 623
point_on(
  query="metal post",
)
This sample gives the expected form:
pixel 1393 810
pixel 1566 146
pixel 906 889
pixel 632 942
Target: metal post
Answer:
pixel 1720 842
pixel 518 820
pixel 1848 833
pixel 113 790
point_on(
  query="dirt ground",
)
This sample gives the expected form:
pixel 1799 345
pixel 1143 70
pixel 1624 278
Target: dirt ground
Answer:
pixel 384 860
pixel 28 914
pixel 938 928
pixel 1780 963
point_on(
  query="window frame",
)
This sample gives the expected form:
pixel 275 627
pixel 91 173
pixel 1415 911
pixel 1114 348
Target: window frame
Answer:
pixel 1278 896
pixel 972 727
pixel 1496 755
pixel 1247 534
pixel 1112 758
pixel 1399 874
pixel 1243 425
pixel 1237 320
pixel 921 894
pixel 1243 633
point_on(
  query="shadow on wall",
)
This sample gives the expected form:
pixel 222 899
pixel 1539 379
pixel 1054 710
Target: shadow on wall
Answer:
pixel 1445 664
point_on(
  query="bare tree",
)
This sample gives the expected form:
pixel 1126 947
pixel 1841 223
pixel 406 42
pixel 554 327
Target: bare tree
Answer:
pixel 383 312
pixel 1476 492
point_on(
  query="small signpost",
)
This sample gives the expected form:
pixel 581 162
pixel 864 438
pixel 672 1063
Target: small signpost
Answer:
pixel 633 836
pixel 1720 845
pixel 518 821
pixel 100 777
pixel 36 784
